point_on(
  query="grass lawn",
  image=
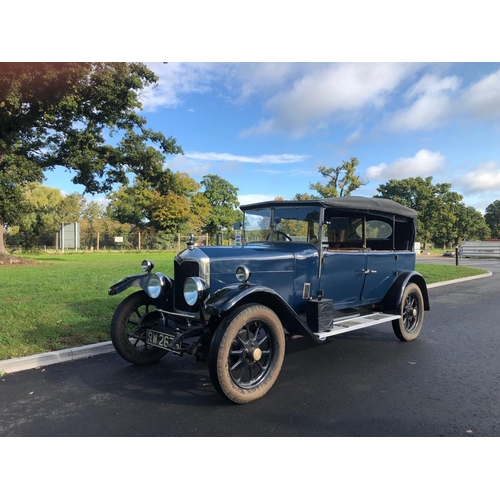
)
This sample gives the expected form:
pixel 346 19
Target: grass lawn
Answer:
pixel 433 273
pixel 61 300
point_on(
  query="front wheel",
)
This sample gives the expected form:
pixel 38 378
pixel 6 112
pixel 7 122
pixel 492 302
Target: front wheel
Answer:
pixel 246 353
pixel 408 326
pixel 128 330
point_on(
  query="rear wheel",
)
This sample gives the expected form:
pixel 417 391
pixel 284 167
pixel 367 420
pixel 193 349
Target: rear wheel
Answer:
pixel 408 326
pixel 247 353
pixel 128 329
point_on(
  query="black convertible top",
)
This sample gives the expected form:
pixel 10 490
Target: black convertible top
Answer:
pixel 351 203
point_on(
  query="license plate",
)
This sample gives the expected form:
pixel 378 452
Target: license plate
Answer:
pixel 159 339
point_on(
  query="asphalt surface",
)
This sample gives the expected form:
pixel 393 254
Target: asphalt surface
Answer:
pixel 363 383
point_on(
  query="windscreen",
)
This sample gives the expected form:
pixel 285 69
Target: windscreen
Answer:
pixel 298 224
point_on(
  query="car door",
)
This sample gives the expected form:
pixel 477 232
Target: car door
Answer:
pixel 343 277
pixel 380 274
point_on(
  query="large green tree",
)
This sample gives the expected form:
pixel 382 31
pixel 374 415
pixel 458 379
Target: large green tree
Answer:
pixel 341 180
pixel 222 198
pixel 471 225
pixel 492 217
pixel 168 201
pixel 80 116
pixel 40 218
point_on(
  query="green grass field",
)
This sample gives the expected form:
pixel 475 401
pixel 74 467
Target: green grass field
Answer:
pixel 61 300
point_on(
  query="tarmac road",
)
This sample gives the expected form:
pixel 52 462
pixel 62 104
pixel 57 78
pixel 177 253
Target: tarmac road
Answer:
pixel 363 383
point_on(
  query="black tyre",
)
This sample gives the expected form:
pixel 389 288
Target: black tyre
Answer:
pixel 408 326
pixel 128 330
pixel 246 353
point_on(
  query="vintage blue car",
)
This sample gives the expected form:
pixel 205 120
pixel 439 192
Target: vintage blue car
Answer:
pixel 314 268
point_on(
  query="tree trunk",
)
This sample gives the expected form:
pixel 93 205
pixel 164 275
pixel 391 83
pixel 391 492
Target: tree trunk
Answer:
pixel 3 250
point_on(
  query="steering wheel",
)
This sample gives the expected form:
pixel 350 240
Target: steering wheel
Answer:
pixel 277 236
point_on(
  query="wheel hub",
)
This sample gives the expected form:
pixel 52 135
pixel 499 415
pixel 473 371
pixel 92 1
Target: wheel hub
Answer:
pixel 254 353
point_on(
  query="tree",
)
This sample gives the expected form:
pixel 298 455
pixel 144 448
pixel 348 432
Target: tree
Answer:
pixel 90 224
pixel 471 225
pixel 71 208
pixel 222 197
pixel 44 208
pixel 80 116
pixel 167 201
pixel 342 180
pixel 304 196
pixel 492 218
pixel 447 206
pixel 39 220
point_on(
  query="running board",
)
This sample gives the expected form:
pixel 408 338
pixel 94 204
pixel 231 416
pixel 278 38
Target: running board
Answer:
pixel 350 324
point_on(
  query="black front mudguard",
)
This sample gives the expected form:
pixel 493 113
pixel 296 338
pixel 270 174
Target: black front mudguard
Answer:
pixel 127 282
pixel 226 299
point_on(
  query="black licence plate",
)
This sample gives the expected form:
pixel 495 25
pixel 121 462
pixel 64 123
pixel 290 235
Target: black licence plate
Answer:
pixel 159 339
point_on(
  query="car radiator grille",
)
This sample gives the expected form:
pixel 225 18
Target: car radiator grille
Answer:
pixel 182 271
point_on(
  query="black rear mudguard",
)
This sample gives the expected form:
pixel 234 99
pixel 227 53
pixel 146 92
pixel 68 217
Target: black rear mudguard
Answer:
pixel 394 297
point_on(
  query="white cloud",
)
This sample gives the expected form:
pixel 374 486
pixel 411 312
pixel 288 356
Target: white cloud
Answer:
pixel 438 100
pixel 485 177
pixel 354 137
pixel 431 84
pixel 264 78
pixel 300 98
pixel 433 104
pixel 180 163
pixel 177 80
pixel 482 99
pixel 103 201
pixel 424 163
pixel 274 159
pixel 330 91
pixel 296 172
pixel 427 112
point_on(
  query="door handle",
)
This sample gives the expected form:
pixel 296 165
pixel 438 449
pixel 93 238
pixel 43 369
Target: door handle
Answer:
pixel 368 271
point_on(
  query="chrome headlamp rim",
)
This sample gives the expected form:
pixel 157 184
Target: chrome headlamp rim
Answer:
pixel 155 285
pixel 243 273
pixel 195 290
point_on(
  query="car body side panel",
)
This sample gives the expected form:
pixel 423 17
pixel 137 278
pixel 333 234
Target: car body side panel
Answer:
pixel 405 261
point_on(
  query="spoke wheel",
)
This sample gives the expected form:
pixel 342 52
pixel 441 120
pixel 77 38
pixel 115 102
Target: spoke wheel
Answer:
pixel 247 353
pixel 128 330
pixel 408 326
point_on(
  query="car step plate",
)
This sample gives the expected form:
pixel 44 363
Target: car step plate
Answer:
pixel 350 324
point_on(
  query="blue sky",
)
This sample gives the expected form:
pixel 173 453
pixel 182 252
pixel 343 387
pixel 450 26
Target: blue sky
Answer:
pixel 267 127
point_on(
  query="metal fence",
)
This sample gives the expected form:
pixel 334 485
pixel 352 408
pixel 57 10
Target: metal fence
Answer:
pixel 481 249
